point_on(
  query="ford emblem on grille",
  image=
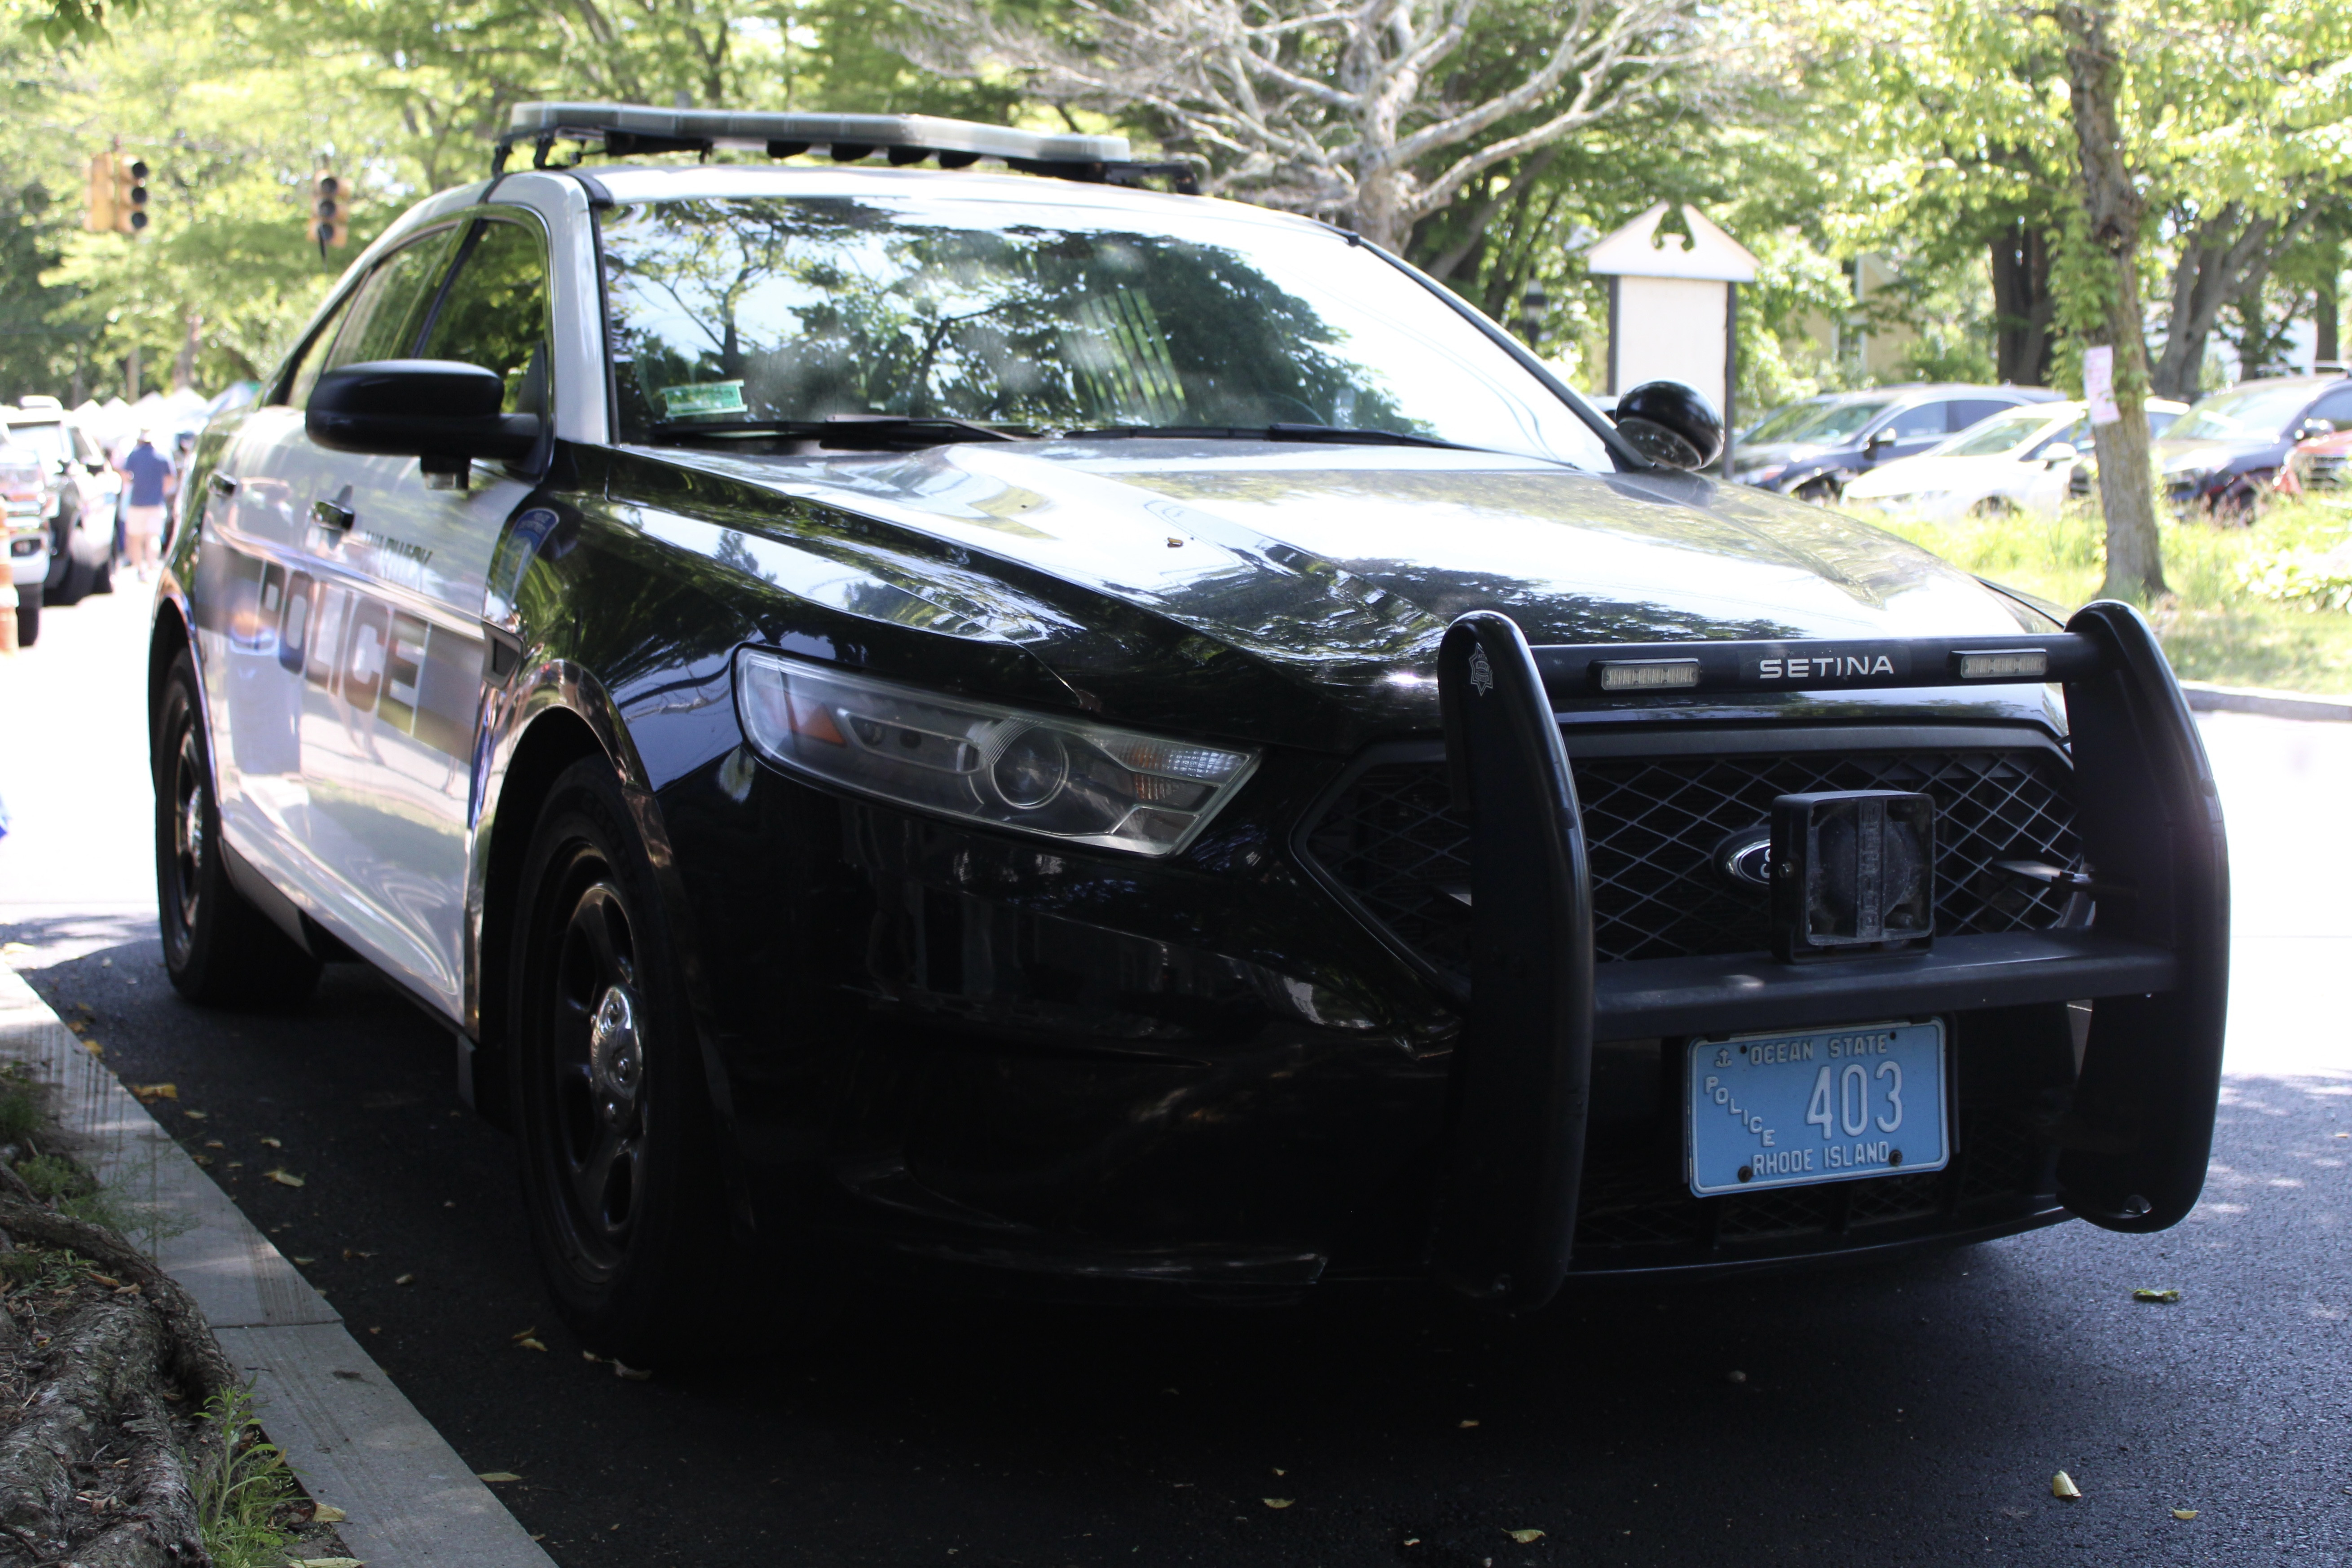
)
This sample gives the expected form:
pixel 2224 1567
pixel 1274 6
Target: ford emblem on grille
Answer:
pixel 1746 856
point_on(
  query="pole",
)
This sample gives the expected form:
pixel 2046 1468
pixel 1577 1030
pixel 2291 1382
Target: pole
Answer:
pixel 1730 371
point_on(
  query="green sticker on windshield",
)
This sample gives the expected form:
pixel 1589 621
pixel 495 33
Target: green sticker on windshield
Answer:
pixel 699 397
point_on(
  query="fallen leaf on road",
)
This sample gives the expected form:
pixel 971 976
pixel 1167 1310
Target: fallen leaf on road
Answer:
pixel 2184 1513
pixel 405 1280
pixel 1277 1501
pixel 1280 1471
pixel 1412 1540
pixel 495 1476
pixel 93 1048
pixel 2063 1485
pixel 149 1093
pixel 524 1333
pixel 349 1253
pixel 1469 1424
pixel 528 1344
pixel 328 1513
pixel 2167 1297
pixel 1526 1537
pixel 196 1115
pixel 283 1179
pixel 273 1142
pixel 632 1374
pixel 306 1260
pixel 107 1281
pixel 590 1355
pixel 1735 1376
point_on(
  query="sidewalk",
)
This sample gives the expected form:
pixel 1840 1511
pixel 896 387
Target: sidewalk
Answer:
pixel 353 1439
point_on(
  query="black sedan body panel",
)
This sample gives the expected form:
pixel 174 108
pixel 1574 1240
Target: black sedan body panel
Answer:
pixel 1073 1063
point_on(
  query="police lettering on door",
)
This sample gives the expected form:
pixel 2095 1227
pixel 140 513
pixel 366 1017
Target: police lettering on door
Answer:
pixel 418 678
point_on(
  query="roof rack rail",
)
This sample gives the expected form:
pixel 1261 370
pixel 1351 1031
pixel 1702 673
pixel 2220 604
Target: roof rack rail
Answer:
pixel 625 129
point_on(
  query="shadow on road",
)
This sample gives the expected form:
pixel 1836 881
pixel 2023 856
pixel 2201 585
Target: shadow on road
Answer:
pixel 1896 1413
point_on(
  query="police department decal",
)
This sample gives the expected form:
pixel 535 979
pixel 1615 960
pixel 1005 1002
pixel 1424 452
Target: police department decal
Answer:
pixel 1482 674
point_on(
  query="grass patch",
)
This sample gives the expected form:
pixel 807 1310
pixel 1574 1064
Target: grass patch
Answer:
pixel 2259 605
pixel 241 1495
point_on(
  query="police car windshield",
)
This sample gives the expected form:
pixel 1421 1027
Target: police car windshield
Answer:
pixel 765 311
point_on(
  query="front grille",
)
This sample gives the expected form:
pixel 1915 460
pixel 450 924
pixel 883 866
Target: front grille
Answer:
pixel 1391 839
pixel 1635 1210
pixel 2323 471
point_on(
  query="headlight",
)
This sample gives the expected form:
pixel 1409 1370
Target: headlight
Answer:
pixel 1057 778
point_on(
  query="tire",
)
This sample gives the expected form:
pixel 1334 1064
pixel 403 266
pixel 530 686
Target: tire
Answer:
pixel 218 950
pixel 1993 507
pixel 28 615
pixel 1822 491
pixel 68 585
pixel 620 1181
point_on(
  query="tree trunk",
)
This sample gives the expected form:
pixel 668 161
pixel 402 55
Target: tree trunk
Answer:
pixel 2111 205
pixel 2323 323
pixel 2023 305
pixel 2218 262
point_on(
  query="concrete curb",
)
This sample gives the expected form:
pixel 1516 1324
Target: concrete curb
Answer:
pixel 354 1438
pixel 2207 699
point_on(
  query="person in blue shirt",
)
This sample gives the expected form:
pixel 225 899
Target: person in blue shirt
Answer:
pixel 153 479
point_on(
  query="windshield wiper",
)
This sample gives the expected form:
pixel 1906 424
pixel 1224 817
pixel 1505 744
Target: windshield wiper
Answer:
pixel 1331 435
pixel 852 432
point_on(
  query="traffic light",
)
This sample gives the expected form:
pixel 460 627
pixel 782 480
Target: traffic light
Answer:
pixel 329 210
pixel 98 212
pixel 130 194
pixel 118 196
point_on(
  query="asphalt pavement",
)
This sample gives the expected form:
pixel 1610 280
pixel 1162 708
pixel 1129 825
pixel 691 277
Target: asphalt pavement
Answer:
pixel 1909 1414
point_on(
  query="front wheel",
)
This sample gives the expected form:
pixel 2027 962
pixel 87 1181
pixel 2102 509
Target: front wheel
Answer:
pixel 619 1179
pixel 1822 491
pixel 217 948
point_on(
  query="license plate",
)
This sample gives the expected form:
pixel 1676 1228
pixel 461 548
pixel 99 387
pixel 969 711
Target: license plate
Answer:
pixel 1816 1105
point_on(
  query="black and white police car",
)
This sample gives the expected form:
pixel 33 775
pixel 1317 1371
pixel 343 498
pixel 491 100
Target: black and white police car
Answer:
pixel 1011 722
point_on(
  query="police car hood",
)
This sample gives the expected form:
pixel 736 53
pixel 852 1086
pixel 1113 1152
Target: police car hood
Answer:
pixel 1340 568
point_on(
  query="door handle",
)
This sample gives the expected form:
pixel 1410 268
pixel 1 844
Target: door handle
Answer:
pixel 222 485
pixel 333 514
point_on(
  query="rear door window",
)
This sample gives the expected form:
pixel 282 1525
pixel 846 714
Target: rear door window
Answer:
pixel 1967 411
pixel 1924 422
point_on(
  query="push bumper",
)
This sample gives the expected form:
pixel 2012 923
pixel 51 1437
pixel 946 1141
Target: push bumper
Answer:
pixel 2135 1144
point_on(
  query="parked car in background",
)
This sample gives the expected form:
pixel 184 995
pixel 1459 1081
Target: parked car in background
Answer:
pixel 23 487
pixel 2319 466
pixel 78 503
pixel 2227 453
pixel 2019 461
pixel 1815 456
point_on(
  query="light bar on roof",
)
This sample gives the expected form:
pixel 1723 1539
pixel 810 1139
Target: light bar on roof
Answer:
pixel 846 136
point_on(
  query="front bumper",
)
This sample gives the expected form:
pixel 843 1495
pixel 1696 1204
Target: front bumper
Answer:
pixel 2124 1128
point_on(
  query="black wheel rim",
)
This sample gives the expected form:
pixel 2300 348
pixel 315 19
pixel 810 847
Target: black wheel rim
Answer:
pixel 183 855
pixel 595 1067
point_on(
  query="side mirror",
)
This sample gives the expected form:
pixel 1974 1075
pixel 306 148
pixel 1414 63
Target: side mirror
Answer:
pixel 2311 427
pixel 1671 422
pixel 1878 439
pixel 2059 452
pixel 440 412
